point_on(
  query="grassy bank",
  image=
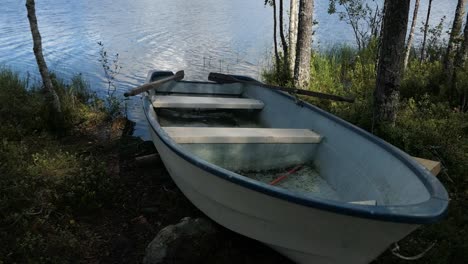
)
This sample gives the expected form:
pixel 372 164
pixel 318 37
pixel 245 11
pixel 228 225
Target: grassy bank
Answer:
pixel 428 125
pixel 46 182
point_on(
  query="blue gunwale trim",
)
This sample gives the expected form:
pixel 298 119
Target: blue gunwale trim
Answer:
pixel 428 211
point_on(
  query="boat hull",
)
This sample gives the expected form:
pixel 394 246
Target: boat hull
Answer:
pixel 306 227
pixel 303 234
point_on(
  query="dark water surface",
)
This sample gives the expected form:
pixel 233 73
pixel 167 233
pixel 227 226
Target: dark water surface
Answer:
pixel 199 36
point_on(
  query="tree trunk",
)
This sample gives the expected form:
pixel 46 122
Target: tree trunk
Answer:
pixel 460 60
pixel 293 12
pixel 463 51
pixel 453 44
pixel 304 44
pixel 411 34
pixel 51 96
pixel 277 58
pixel 389 69
pixel 283 39
pixel 426 28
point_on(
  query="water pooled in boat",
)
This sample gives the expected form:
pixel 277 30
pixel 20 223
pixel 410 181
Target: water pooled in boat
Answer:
pixel 305 180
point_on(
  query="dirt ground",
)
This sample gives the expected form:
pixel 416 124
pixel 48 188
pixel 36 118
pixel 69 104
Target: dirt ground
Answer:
pixel 148 201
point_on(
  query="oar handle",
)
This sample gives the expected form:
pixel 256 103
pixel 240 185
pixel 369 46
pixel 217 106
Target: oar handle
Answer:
pixel 226 78
pixel 152 85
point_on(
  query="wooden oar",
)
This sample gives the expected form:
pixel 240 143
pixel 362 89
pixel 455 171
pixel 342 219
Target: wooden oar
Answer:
pixel 225 78
pixel 152 85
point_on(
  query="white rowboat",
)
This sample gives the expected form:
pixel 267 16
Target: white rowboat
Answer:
pixel 349 196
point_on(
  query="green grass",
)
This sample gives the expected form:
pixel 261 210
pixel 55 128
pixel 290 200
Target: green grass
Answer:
pixel 45 182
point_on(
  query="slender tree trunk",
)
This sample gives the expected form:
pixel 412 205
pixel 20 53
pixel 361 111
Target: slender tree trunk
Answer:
pixel 277 58
pixel 454 42
pixel 387 90
pixel 50 94
pixel 304 44
pixel 411 34
pixel 380 39
pixel 463 50
pixel 293 12
pixel 426 28
pixel 283 39
pixel 459 65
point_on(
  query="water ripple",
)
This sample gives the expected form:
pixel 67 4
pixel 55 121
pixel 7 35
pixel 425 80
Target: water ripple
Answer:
pixel 198 36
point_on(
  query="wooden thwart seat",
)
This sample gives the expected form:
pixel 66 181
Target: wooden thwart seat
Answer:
pixel 431 165
pixel 198 102
pixel 236 135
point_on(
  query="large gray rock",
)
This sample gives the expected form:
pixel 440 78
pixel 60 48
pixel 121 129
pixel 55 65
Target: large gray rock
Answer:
pixel 189 241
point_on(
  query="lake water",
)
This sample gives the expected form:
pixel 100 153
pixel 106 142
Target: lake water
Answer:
pixel 198 36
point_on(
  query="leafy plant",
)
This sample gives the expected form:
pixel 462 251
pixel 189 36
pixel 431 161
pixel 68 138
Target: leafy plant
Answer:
pixel 364 19
pixel 111 67
pixel 436 45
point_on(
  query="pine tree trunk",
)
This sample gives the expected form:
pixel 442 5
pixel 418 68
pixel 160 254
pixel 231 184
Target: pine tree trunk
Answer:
pixel 293 12
pixel 459 64
pixel 389 69
pixel 51 96
pixel 411 34
pixel 454 43
pixel 426 28
pixel 463 51
pixel 277 58
pixel 304 44
pixel 283 39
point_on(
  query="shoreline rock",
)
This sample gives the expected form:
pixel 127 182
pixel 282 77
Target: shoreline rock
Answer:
pixel 188 241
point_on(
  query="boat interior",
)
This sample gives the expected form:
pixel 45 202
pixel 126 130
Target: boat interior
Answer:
pixel 272 139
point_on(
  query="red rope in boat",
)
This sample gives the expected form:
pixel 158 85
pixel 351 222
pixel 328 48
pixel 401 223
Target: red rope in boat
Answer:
pixel 282 177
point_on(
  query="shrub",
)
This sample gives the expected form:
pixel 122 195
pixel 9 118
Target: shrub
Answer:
pixel 421 79
pixel 45 184
pixel 435 131
pixel 20 109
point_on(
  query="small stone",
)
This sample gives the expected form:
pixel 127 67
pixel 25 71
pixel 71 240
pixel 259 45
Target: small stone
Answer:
pixel 189 241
